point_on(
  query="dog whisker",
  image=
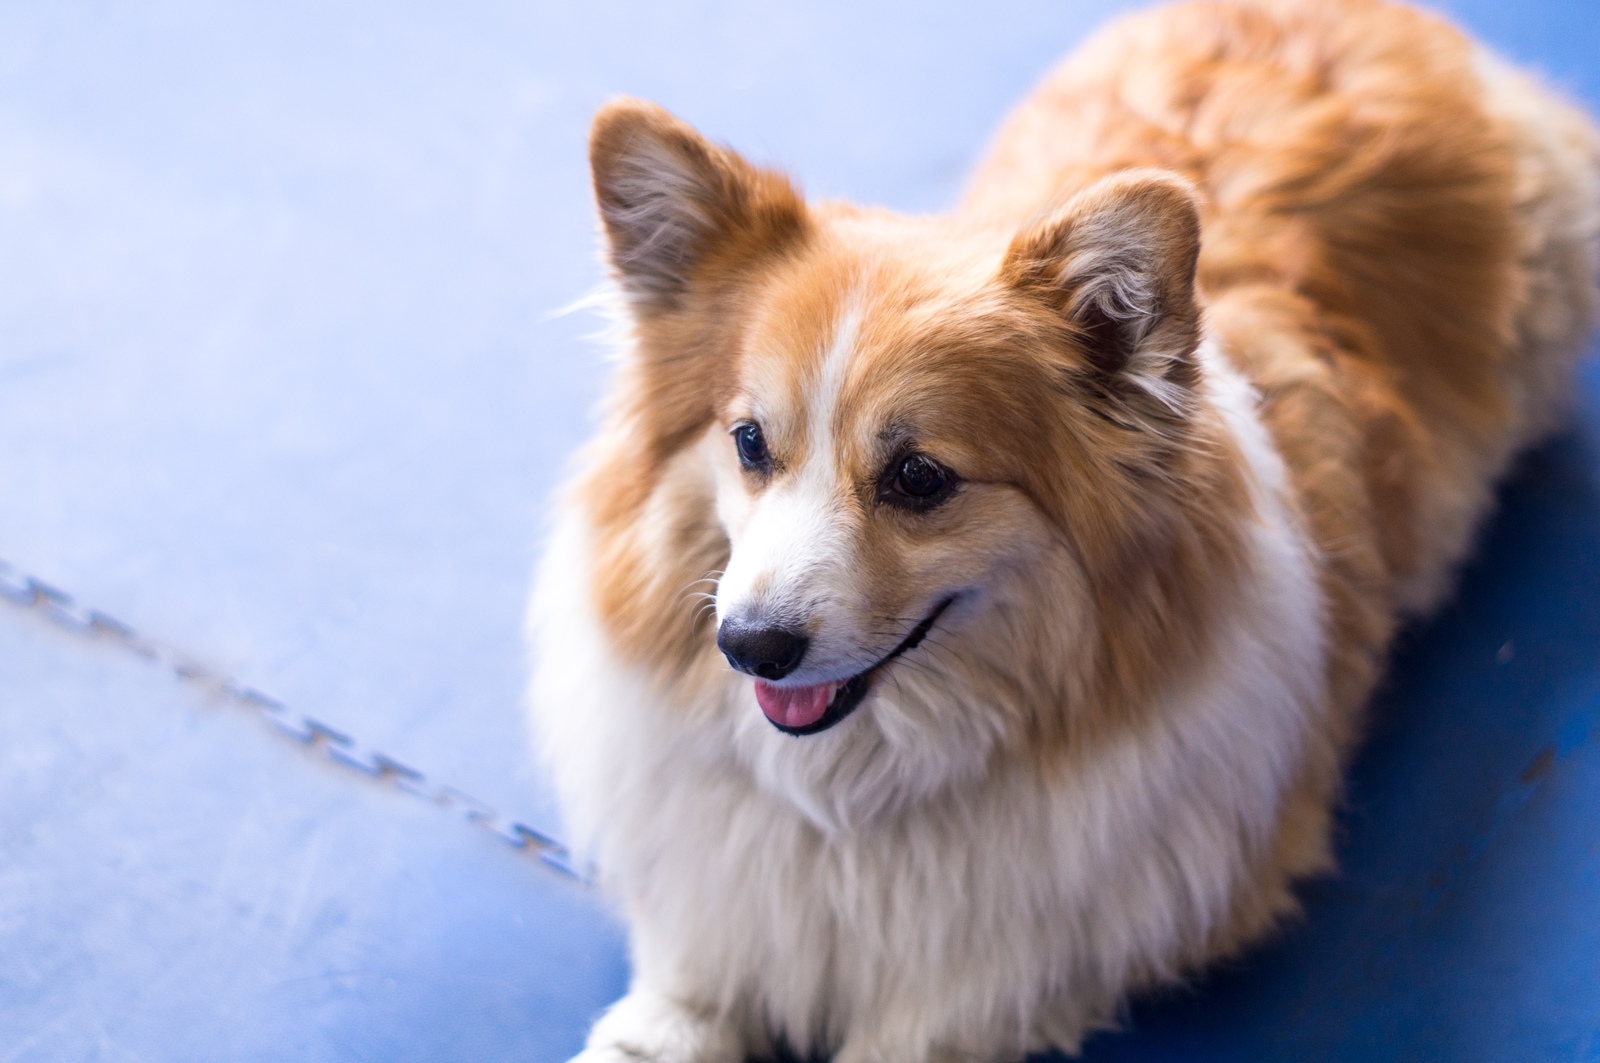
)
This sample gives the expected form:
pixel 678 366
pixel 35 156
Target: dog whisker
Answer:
pixel 1198 490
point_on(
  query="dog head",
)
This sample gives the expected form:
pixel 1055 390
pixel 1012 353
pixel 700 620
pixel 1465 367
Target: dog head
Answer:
pixel 946 457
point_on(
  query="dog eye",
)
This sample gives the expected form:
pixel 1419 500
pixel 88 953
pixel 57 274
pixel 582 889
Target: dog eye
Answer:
pixel 919 482
pixel 752 446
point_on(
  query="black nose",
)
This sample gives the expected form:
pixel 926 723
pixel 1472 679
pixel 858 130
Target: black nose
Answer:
pixel 767 652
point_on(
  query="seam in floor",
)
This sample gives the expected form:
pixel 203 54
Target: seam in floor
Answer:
pixel 91 625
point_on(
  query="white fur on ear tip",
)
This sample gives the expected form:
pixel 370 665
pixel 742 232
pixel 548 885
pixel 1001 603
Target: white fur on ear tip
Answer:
pixel 655 207
pixel 1118 260
pixel 670 201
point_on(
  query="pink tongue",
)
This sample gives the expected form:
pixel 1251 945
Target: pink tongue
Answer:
pixel 794 706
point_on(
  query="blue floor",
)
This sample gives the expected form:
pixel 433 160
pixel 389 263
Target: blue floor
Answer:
pixel 280 385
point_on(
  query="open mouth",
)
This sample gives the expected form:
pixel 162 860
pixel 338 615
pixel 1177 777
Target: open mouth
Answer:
pixel 812 709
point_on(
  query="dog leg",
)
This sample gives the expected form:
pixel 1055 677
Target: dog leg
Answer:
pixel 646 1027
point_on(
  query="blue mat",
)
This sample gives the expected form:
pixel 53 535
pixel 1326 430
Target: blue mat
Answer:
pixel 281 388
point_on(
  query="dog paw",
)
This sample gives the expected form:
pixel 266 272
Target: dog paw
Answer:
pixel 649 1028
pixel 608 1054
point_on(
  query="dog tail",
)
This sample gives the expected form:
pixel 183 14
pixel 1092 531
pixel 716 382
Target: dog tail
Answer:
pixel 1557 148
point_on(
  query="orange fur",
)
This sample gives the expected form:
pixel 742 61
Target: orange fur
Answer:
pixel 1359 263
pixel 1368 224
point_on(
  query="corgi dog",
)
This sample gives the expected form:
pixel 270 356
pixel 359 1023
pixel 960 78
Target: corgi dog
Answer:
pixel 961 622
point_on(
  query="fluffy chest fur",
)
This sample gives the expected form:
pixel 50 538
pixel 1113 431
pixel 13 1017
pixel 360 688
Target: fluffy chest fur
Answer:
pixel 960 622
pixel 1024 897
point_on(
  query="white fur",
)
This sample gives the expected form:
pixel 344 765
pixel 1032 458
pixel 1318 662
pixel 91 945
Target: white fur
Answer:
pixel 887 888
pixel 897 889
pixel 793 557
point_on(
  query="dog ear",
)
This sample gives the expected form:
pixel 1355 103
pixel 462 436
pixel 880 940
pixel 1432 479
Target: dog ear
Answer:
pixel 1118 262
pixel 673 204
